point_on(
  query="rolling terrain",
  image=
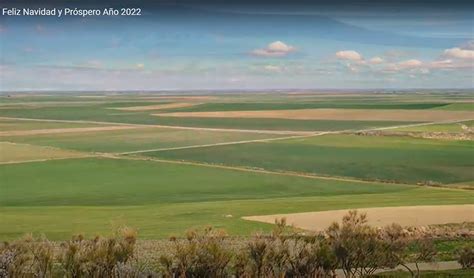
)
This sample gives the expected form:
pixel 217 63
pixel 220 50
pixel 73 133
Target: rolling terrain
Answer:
pixel 80 162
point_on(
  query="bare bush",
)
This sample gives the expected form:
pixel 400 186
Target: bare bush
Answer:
pixel 353 246
pixel 285 254
pixel 466 257
pixel 26 257
pixel 361 249
pixel 99 257
pixel 200 255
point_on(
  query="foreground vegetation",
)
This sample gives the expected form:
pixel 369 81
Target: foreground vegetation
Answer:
pixel 351 248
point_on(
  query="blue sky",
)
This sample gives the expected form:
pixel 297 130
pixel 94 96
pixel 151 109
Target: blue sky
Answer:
pixel 242 47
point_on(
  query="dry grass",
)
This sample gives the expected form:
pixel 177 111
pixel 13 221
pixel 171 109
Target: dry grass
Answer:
pixel 63 130
pixel 16 153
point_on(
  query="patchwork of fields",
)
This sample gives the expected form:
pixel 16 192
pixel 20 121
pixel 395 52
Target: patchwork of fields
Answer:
pixel 87 163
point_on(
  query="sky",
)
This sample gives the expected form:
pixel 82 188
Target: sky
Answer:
pixel 194 45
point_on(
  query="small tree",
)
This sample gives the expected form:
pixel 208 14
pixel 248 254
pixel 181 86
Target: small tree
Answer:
pixel 311 257
pixel 358 247
pixel 425 251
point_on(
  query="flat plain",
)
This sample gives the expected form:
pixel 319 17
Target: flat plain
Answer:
pixel 88 162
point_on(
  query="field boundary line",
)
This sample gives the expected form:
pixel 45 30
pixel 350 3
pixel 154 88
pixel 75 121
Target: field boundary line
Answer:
pixel 313 134
pixel 225 143
pixel 270 172
pixel 252 170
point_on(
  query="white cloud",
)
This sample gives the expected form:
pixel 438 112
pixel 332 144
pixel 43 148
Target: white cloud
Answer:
pixel 376 60
pixel 140 66
pixel 413 63
pixel 442 63
pixel 272 68
pixel 424 71
pixel 274 49
pixel 409 65
pixel 450 64
pixel 349 55
pixel 458 53
pixel 279 46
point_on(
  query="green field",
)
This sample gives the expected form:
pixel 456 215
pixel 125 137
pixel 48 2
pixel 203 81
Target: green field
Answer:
pixel 458 106
pixel 87 195
pixel 162 194
pixel 125 182
pixel 136 139
pixel 400 159
pixel 453 127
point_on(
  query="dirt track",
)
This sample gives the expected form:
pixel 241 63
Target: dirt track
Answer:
pixel 405 216
pixel 334 114
pixel 231 143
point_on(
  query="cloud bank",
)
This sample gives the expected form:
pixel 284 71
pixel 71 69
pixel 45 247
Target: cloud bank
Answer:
pixel 274 49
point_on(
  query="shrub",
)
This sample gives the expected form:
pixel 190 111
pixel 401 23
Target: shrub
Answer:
pixel 200 255
pixel 312 257
pixel 354 246
pixel 26 257
pixel 466 257
pixel 285 254
pixel 99 257
pixel 359 248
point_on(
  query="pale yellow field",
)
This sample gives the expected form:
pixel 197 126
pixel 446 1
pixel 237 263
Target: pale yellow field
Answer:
pixel 17 153
pixel 156 106
pixel 335 114
pixel 63 130
pixel 181 98
pixel 405 216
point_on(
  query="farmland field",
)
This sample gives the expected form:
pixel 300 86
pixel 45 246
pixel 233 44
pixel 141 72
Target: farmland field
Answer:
pixel 87 163
pixel 137 139
pixel 452 127
pixel 409 160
